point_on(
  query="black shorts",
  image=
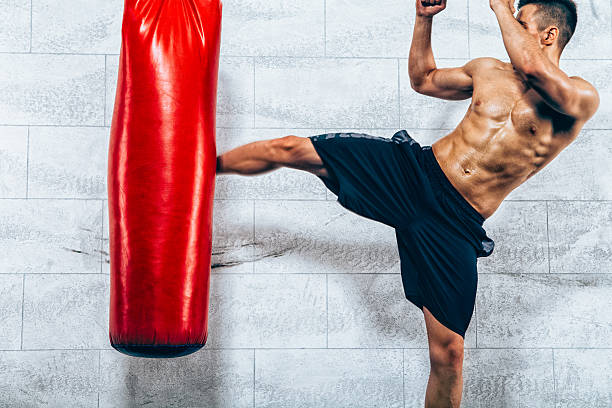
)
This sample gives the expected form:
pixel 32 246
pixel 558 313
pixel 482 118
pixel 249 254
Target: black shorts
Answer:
pixel 439 234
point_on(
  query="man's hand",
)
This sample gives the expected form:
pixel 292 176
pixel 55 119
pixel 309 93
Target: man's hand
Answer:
pixel 429 8
pixel 508 4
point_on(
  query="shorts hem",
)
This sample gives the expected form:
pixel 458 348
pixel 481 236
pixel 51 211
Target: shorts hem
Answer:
pixel 414 299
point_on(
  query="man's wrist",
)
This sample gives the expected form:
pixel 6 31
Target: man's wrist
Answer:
pixel 425 18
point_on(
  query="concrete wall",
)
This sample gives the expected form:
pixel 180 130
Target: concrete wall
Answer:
pixel 307 308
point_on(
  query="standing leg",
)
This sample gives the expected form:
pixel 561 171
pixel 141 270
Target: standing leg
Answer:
pixel 266 155
pixel 446 360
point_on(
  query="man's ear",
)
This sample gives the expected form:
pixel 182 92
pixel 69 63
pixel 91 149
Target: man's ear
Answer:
pixel 550 35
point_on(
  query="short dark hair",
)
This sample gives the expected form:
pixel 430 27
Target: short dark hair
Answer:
pixel 561 13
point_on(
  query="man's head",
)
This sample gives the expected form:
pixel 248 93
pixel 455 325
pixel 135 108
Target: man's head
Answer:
pixel 553 21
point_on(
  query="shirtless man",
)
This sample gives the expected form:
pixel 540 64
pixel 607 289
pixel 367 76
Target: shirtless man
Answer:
pixel 522 115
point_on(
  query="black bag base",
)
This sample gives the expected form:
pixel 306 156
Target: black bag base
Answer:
pixel 157 351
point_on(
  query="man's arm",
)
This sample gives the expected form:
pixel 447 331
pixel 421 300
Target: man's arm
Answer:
pixel 425 77
pixel 571 96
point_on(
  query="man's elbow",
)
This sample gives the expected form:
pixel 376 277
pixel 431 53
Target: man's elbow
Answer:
pixel 416 86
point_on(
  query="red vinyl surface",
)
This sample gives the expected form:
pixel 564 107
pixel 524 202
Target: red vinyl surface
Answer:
pixel 161 176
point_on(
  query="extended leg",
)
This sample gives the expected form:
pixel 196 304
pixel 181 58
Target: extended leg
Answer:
pixel 446 359
pixel 266 155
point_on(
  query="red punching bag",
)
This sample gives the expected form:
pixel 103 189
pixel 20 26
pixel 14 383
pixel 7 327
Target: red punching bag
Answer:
pixel 161 176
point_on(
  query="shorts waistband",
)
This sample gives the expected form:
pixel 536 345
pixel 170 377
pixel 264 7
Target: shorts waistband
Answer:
pixel 440 178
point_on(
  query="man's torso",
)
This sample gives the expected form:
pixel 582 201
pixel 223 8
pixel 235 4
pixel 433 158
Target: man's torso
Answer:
pixel 507 135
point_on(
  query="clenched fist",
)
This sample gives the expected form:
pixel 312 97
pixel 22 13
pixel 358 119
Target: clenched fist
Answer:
pixel 428 8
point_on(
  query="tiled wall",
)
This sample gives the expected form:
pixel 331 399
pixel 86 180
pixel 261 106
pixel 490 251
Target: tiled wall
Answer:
pixel 307 308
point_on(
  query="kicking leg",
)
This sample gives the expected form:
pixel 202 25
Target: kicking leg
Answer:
pixel 446 360
pixel 266 155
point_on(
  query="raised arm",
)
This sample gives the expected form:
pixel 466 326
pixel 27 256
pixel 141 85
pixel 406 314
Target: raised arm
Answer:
pixel 425 77
pixel 572 96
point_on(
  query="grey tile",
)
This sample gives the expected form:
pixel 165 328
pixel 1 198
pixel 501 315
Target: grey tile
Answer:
pixel 545 310
pixel 594 21
pixel 15 27
pixel 81 26
pixel 267 311
pixel 416 374
pixel 598 74
pixel 11 294
pixel 328 378
pixel 208 378
pixel 485 34
pixel 508 378
pixel 236 91
pixel 384 29
pixel 580 172
pixel 43 89
pixel 369 311
pixel 49 378
pixel 282 183
pixel 422 111
pixel 580 237
pixel 50 236
pixel 232 246
pixel 65 311
pixel 313 92
pixel 583 378
pixel 68 162
pixel 320 237
pixel 272 27
pixel 110 82
pixel 13 161
pixel 427 137
pixel 521 243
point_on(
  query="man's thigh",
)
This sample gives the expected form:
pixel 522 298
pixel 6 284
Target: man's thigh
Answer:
pixel 437 333
pixel 299 153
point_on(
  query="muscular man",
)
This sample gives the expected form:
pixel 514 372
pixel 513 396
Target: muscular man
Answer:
pixel 437 197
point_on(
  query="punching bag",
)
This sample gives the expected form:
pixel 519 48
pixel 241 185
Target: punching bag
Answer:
pixel 161 176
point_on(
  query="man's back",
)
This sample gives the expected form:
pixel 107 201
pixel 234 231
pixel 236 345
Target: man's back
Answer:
pixel 507 135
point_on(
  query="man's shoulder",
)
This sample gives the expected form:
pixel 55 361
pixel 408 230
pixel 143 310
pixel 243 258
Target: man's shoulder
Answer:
pixel 482 63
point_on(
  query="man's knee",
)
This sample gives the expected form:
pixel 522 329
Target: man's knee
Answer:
pixel 446 357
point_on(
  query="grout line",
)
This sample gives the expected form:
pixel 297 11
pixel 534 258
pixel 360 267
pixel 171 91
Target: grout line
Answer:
pixel 102 239
pixel 105 81
pixel 333 348
pixel 327 309
pixel 99 372
pixel 254 106
pixel 325 28
pixel 476 313
pixel 547 237
pixel 554 378
pixel 51 199
pixel 365 57
pixel 404 376
pixel 270 127
pixel 468 29
pixel 22 307
pixel 399 96
pixel 283 199
pixel 28 165
pixel 514 274
pixel 31 26
pixel 253 378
